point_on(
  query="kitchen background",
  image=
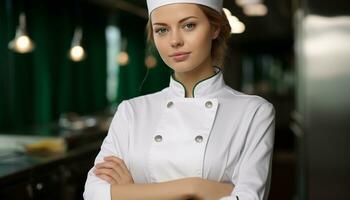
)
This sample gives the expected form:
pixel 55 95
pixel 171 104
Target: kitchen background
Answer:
pixel 66 65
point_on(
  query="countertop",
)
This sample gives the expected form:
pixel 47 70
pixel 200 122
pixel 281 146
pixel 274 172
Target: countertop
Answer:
pixel 16 162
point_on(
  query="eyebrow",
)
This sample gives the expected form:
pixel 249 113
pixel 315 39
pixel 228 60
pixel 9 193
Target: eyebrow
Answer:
pixel 184 19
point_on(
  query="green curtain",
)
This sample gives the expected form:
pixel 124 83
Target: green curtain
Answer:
pixel 39 86
pixel 6 90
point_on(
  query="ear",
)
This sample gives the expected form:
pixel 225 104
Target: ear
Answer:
pixel 215 32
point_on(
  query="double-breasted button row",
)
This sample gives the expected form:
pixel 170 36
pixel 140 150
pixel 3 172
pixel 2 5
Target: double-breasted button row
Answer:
pixel 208 104
pixel 198 138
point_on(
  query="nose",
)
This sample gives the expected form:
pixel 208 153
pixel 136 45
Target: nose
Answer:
pixel 176 39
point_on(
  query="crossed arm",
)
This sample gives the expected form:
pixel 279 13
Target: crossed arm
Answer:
pixel 114 171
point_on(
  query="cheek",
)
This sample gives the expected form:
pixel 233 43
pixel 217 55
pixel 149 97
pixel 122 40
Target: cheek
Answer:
pixel 161 46
pixel 201 42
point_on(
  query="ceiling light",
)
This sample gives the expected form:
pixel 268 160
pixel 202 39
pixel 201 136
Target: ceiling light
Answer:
pixel 237 26
pixel 255 9
pixel 22 42
pixel 246 2
pixel 150 61
pixel 227 12
pixel 77 52
pixel 123 57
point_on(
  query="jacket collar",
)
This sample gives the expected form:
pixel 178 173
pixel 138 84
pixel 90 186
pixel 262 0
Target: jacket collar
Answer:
pixel 203 88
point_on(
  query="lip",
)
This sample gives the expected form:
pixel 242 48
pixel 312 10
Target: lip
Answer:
pixel 180 56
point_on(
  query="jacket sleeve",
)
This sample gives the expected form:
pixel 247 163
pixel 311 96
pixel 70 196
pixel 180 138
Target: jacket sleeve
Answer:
pixel 253 173
pixel 116 144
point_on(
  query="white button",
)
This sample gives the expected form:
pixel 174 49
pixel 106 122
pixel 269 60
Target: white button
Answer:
pixel 208 104
pixel 170 103
pixel 158 138
pixel 199 139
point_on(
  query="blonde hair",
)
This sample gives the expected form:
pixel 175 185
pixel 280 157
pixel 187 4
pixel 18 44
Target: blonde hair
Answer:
pixel 217 20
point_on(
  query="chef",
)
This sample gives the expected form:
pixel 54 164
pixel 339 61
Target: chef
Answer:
pixel 197 138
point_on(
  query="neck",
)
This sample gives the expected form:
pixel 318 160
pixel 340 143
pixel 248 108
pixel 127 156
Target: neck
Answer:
pixel 190 78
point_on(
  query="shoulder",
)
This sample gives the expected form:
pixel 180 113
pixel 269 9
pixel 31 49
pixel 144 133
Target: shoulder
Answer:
pixel 245 100
pixel 143 103
pixel 141 100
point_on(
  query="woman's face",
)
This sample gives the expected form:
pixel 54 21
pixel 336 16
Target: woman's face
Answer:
pixel 183 36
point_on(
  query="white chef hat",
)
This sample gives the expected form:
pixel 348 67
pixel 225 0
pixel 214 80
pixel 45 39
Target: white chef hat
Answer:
pixel 214 4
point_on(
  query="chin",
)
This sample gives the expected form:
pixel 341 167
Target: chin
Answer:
pixel 181 67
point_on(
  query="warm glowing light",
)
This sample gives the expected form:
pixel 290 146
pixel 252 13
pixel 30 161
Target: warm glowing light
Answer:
pixel 227 12
pixel 150 61
pixel 123 58
pixel 232 19
pixel 258 9
pixel 246 2
pixel 237 26
pixel 240 2
pixel 22 44
pixel 77 53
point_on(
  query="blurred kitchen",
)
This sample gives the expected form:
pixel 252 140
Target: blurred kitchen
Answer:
pixel 66 65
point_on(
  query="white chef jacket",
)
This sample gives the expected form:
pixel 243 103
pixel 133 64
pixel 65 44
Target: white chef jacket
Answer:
pixel 220 134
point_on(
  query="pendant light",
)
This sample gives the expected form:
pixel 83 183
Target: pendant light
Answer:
pixel 123 57
pixel 77 52
pixel 237 26
pixel 150 60
pixel 253 8
pixel 22 42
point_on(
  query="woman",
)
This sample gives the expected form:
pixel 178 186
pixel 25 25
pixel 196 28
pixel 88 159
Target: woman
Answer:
pixel 197 138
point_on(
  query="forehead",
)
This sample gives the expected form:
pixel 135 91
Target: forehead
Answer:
pixel 175 12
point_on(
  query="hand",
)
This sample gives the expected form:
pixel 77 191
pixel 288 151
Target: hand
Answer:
pixel 114 171
pixel 210 190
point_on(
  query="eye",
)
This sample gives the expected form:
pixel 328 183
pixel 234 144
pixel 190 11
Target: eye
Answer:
pixel 160 31
pixel 189 26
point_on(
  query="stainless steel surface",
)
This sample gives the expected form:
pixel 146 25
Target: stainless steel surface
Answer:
pixel 323 101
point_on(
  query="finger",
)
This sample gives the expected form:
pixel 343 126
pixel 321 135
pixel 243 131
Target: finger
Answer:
pixel 106 172
pixel 113 158
pixel 119 161
pixel 112 165
pixel 107 178
pixel 120 178
pixel 109 172
pixel 119 166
